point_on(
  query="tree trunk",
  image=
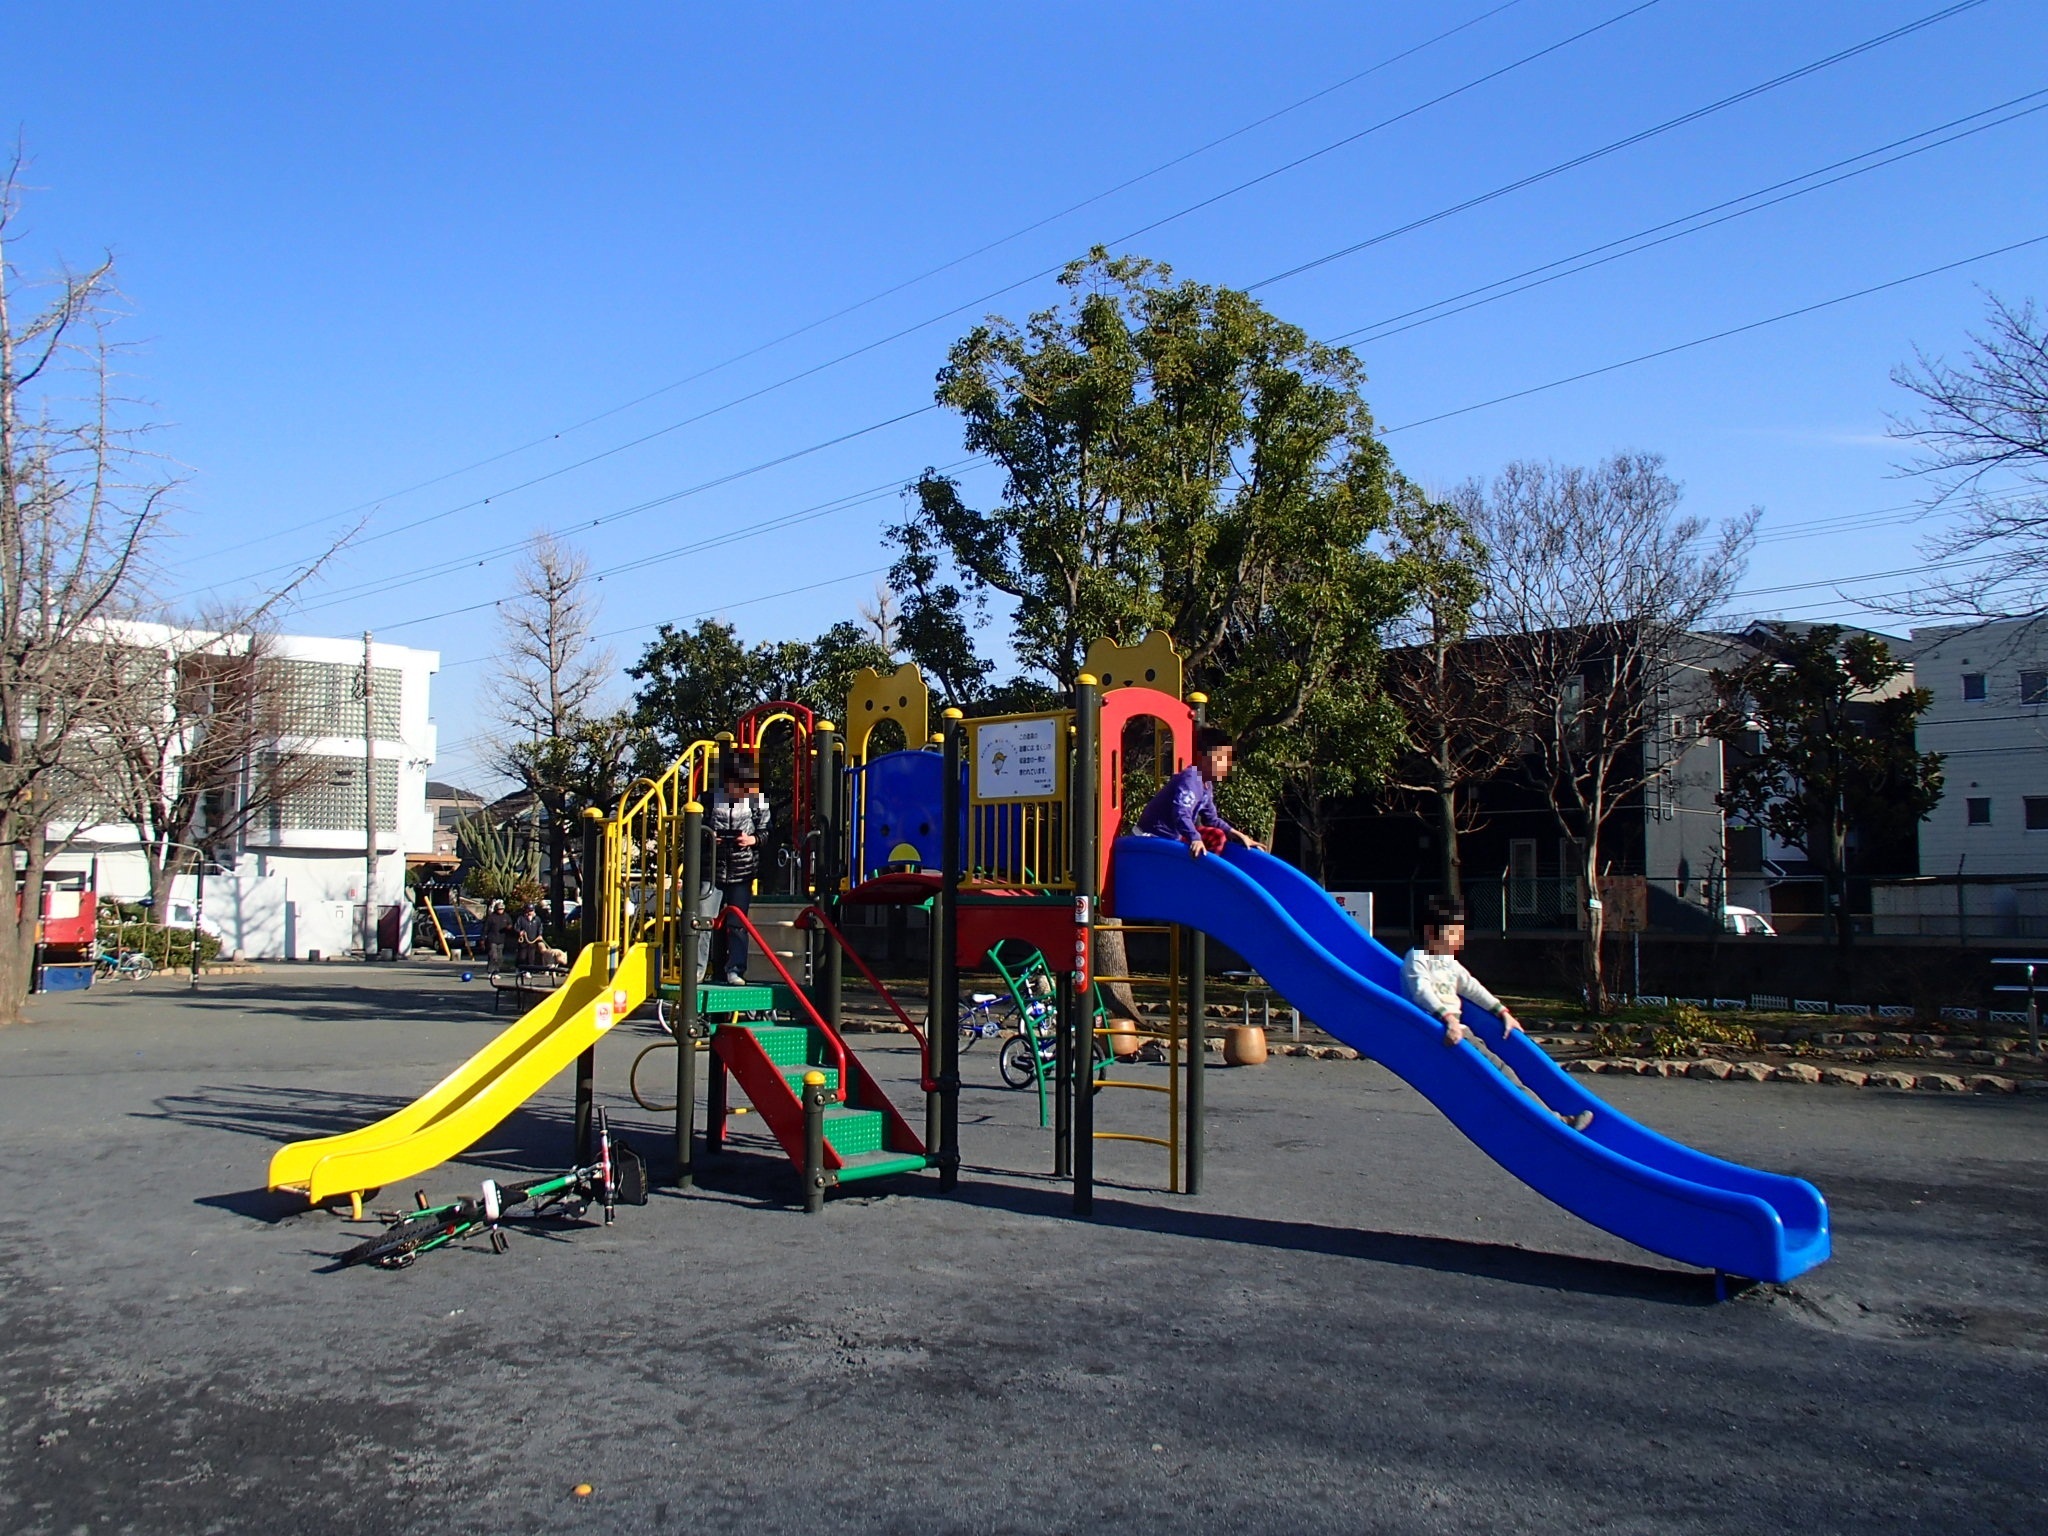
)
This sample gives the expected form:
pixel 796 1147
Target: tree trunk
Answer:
pixel 1447 832
pixel 558 852
pixel 1112 958
pixel 24 891
pixel 1838 884
pixel 1596 932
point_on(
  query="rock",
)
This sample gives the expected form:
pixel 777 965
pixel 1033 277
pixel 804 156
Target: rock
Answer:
pixel 1796 1072
pixel 1894 1039
pixel 1711 1068
pixel 1332 1053
pixel 1928 1040
pixel 1752 1071
pixel 1651 1068
pixel 1860 1037
pixel 1580 1065
pixel 1936 1053
pixel 1843 1077
pixel 2033 1085
pixel 1940 1082
pixel 1672 1068
pixel 1890 1080
pixel 1986 1082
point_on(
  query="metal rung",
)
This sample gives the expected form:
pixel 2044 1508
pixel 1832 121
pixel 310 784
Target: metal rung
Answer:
pixel 1150 1141
pixel 1114 1082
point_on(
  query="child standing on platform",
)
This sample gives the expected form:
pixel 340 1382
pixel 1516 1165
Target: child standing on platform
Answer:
pixel 739 818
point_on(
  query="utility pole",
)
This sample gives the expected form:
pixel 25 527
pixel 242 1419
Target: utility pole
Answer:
pixel 369 805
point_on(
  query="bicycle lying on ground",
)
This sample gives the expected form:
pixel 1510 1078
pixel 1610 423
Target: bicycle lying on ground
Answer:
pixel 618 1175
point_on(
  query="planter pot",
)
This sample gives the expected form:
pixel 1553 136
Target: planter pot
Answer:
pixel 1244 1045
pixel 1124 1039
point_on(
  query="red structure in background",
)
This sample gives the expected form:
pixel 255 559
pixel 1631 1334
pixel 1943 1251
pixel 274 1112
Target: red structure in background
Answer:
pixel 69 927
pixel 751 730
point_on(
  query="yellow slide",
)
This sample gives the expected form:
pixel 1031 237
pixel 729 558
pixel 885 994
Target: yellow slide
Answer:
pixel 465 1105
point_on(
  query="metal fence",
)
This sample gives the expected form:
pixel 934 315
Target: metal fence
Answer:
pixel 1930 908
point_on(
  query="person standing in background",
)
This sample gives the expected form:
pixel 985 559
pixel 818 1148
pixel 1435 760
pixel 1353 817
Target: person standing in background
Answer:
pixel 739 818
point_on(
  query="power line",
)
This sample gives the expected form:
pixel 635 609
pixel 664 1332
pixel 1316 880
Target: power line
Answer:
pixel 666 499
pixel 1700 341
pixel 1382 329
pixel 996 293
pixel 909 282
pixel 1622 143
pixel 705 613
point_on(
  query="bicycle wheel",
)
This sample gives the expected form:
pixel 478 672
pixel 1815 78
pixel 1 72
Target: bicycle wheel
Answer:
pixel 142 968
pixel 395 1246
pixel 1014 1061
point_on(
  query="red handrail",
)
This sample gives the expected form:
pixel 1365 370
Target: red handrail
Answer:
pixel 831 1035
pixel 926 1082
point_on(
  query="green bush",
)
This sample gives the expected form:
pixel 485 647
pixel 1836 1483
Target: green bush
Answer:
pixel 1684 1031
pixel 127 926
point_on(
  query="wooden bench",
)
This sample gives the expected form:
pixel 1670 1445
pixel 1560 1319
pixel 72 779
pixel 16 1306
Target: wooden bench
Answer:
pixel 526 987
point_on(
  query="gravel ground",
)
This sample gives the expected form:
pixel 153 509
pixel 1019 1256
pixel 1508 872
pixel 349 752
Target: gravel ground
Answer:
pixel 1362 1325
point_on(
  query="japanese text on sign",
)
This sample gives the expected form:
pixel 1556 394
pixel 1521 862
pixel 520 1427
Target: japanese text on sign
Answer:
pixel 1017 759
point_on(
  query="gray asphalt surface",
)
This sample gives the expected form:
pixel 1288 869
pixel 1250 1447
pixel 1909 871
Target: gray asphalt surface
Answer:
pixel 1361 1326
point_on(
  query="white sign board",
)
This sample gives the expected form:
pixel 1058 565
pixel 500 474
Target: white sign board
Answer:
pixel 1358 904
pixel 1017 759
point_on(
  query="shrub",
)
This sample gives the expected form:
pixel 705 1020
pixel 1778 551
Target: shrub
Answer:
pixel 1684 1031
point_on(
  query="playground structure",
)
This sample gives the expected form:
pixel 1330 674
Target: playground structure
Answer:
pixel 1010 832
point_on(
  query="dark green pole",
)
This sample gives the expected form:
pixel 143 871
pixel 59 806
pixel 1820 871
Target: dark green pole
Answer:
pixel 946 1041
pixel 1079 993
pixel 1198 1024
pixel 586 1064
pixel 814 1142
pixel 685 941
pixel 936 941
pixel 828 967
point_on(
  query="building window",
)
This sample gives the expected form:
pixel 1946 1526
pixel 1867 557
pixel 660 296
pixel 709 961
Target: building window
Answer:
pixel 1973 687
pixel 2037 813
pixel 2034 687
pixel 1977 812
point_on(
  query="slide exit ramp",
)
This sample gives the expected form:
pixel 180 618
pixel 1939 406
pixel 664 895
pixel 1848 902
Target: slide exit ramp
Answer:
pixel 1621 1176
pixel 469 1103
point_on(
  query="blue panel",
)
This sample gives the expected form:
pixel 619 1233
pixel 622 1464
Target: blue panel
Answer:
pixel 899 823
pixel 1618 1175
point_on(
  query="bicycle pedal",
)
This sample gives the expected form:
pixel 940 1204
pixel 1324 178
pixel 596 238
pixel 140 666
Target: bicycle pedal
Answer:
pixel 498 1243
pixel 419 1199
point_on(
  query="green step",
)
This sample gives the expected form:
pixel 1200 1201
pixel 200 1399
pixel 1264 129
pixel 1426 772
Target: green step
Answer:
pixel 722 999
pixel 791 1045
pixel 872 1165
pixel 853 1130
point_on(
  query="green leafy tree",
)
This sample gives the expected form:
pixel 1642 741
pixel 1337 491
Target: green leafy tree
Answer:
pixel 695 683
pixel 1173 457
pixel 1823 722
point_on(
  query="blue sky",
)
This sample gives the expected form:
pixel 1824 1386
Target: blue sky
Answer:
pixel 371 247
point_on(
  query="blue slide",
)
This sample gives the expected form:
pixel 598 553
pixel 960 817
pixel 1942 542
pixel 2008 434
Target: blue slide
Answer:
pixel 1618 1175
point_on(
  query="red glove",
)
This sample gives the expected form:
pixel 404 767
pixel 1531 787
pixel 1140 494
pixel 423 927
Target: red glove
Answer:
pixel 1215 839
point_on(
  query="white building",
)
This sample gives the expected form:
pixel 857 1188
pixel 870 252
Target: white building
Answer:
pixel 1989 721
pixel 292 881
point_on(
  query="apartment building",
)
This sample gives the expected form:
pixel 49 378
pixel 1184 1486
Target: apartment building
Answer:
pixel 1989 720
pixel 292 879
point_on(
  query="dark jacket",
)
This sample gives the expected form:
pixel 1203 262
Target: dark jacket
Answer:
pixel 729 818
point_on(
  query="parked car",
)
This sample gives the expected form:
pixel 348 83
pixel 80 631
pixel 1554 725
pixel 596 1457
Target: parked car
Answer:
pixel 1746 920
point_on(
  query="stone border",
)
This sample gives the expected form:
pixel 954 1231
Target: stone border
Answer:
pixel 1714 1069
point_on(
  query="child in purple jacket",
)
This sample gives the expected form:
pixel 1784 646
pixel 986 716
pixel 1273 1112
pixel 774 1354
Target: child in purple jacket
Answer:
pixel 1185 807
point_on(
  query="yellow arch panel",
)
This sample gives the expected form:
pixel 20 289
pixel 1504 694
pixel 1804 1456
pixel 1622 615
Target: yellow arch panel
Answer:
pixel 901 696
pixel 1151 663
